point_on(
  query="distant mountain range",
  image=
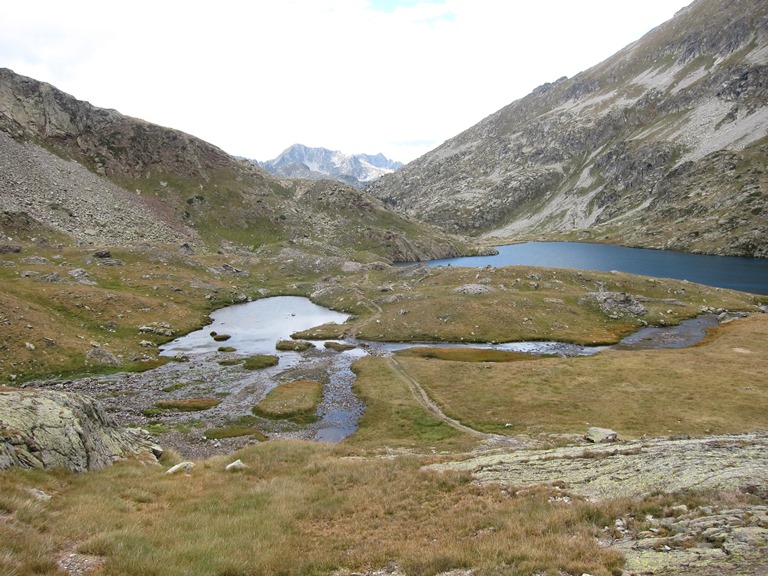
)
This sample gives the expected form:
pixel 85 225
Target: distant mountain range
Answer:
pixel 663 145
pixel 301 161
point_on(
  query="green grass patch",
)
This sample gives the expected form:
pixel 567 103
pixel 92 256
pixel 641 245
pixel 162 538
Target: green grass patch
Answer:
pixel 296 401
pixel 393 417
pixel 260 361
pixel 189 404
pixel 231 361
pixel 174 387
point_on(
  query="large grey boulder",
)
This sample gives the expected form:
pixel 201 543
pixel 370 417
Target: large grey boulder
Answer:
pixel 52 429
pixel 600 435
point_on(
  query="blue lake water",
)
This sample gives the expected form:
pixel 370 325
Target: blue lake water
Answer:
pixel 745 274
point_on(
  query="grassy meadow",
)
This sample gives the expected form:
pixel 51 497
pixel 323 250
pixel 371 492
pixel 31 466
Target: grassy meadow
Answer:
pixel 366 504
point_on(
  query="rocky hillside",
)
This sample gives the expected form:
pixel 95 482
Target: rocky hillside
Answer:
pixel 74 173
pixel 663 145
pixel 301 161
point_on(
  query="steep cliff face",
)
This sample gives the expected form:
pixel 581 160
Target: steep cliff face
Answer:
pixel 72 172
pixel 662 145
pixel 51 429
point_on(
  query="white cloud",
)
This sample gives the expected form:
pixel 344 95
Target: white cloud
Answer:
pixel 256 77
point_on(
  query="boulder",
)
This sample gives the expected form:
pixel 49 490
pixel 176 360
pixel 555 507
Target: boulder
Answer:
pixel 235 466
pixel 473 289
pixel 185 467
pixel 54 429
pixel 600 435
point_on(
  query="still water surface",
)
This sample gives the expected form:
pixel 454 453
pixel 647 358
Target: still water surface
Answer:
pixel 255 327
pixel 746 274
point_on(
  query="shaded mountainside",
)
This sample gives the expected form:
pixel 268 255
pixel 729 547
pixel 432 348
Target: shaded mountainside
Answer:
pixel 357 170
pixel 72 172
pixel 663 145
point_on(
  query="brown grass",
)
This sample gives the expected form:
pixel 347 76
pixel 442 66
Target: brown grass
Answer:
pixel 189 404
pixel 339 512
pixel 463 354
pixel 717 387
pixel 296 401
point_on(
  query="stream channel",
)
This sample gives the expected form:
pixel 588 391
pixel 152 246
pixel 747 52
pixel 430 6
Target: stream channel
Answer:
pixel 255 327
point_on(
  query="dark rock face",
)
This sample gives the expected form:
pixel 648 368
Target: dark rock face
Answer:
pixel 662 145
pixel 52 429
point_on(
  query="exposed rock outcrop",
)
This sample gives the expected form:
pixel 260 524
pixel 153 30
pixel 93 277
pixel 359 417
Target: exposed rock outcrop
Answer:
pixel 52 429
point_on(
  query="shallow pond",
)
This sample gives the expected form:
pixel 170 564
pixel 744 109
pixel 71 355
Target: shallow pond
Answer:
pixel 255 327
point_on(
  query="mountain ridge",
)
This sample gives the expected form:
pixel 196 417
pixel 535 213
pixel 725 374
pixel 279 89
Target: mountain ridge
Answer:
pixel 72 172
pixel 662 145
pixel 315 163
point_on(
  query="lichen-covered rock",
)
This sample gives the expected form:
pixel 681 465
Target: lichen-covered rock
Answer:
pixel 53 429
pixel 600 435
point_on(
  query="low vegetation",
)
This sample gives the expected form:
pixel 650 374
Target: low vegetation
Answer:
pixel 293 345
pixel 260 361
pixel 464 354
pixel 711 388
pixel 188 404
pixel 234 431
pixel 365 504
pixel 338 346
pixel 296 401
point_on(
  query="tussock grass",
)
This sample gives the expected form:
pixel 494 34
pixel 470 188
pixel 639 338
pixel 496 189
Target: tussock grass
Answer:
pixel 716 387
pixel 339 346
pixel 188 404
pixel 525 303
pixel 260 361
pixel 234 432
pixel 356 514
pixel 296 401
pixel 464 354
pixel 393 417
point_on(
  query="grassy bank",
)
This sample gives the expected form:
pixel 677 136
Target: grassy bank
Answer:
pixel 716 387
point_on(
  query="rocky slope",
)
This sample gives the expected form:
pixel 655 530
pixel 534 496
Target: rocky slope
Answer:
pixel 301 161
pixel 662 145
pixel 71 172
pixel 51 429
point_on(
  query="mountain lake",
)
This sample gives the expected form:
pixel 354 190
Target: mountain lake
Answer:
pixel 737 273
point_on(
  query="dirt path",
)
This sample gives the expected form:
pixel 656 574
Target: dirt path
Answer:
pixel 421 396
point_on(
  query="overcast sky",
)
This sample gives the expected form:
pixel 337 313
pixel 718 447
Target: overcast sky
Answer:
pixel 392 76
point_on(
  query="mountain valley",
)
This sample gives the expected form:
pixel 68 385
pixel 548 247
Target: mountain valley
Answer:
pixel 572 457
